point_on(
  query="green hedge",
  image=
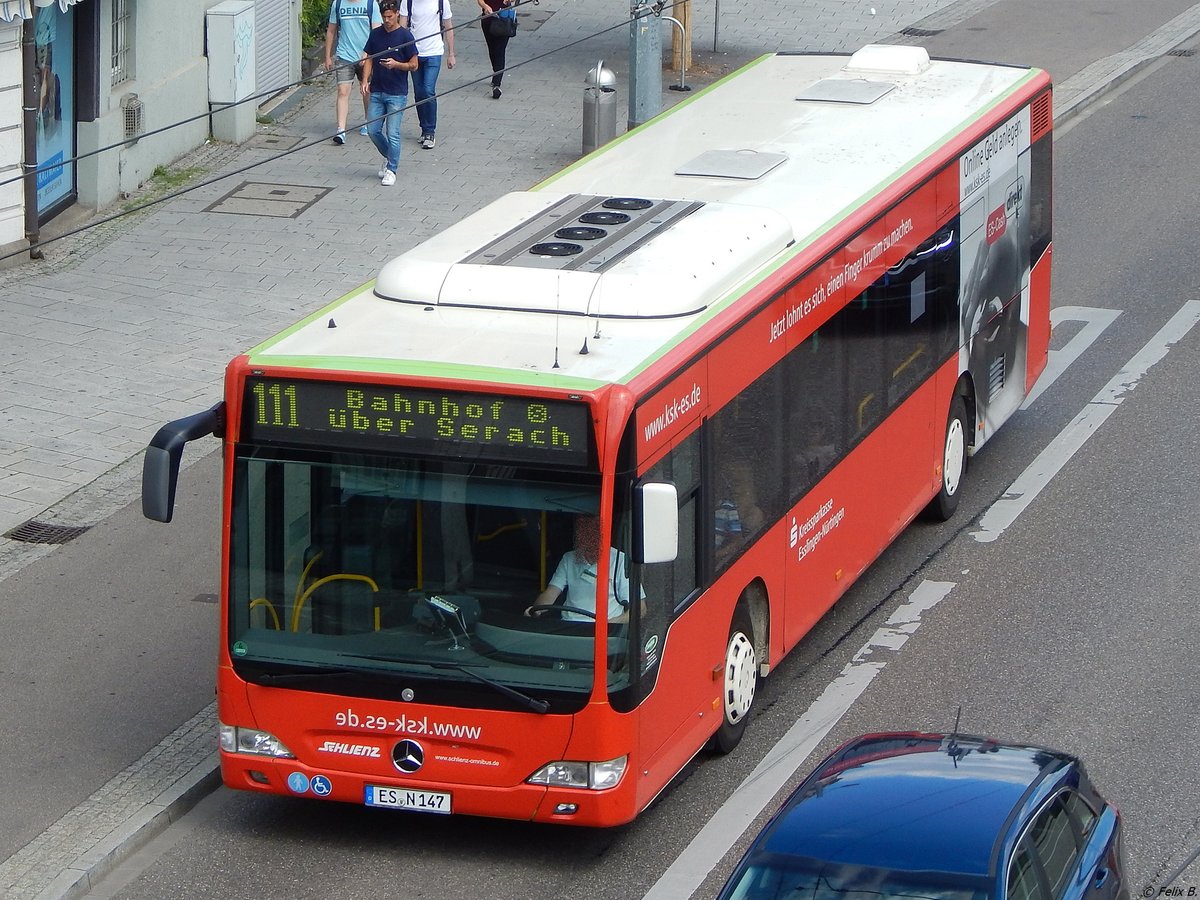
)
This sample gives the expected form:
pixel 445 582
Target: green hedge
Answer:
pixel 314 16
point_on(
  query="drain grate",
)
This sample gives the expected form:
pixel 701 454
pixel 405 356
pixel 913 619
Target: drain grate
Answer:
pixel 921 32
pixel 1181 52
pixel 35 532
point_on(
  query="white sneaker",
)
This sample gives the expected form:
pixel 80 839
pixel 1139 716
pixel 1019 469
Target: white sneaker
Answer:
pixel 428 141
pixel 388 178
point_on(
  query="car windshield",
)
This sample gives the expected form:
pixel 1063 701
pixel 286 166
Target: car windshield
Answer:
pixel 775 876
pixel 364 574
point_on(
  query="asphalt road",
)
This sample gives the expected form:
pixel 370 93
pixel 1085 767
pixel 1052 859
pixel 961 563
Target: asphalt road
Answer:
pixel 1072 629
pixel 123 622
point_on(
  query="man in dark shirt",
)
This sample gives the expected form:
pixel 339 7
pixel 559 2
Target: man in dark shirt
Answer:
pixel 390 54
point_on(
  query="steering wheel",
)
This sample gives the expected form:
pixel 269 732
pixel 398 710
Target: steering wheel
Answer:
pixel 537 611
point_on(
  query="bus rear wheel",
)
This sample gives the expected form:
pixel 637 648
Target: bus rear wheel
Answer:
pixel 741 680
pixel 954 463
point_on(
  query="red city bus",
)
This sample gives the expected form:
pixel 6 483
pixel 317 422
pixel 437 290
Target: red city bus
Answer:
pixel 733 354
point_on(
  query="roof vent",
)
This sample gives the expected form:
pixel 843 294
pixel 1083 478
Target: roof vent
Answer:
pixel 580 233
pixel 555 248
pixel 889 59
pixel 604 218
pixel 626 203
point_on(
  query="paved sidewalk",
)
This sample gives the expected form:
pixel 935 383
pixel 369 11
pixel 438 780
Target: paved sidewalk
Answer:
pixel 128 326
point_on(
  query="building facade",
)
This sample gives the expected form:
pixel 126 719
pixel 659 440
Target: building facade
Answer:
pixel 103 77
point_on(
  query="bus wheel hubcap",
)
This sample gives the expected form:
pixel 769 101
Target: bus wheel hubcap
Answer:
pixel 955 449
pixel 741 666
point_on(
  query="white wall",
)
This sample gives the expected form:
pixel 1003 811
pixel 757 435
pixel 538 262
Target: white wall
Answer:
pixel 12 206
pixel 171 80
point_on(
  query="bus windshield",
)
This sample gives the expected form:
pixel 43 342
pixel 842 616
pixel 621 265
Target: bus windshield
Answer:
pixel 368 574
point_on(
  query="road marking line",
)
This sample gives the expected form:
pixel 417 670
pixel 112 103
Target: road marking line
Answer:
pixel 1095 321
pixel 1001 514
pixel 737 814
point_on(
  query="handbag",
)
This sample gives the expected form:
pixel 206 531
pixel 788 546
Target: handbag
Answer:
pixel 502 24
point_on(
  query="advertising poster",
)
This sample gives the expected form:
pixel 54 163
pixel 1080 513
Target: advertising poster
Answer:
pixel 994 195
pixel 54 54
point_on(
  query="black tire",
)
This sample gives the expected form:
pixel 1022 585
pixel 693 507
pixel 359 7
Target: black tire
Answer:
pixel 954 463
pixel 740 682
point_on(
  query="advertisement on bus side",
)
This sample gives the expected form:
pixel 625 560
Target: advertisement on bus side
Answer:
pixel 994 325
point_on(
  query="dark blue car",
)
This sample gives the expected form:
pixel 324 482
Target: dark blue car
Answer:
pixel 910 816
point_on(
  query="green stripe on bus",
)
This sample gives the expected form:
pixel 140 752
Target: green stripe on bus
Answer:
pixel 462 372
pixel 323 311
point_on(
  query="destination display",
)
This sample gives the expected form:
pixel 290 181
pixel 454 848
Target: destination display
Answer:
pixel 391 419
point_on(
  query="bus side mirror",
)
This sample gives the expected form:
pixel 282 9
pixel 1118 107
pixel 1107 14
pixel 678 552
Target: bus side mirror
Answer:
pixel 160 469
pixel 656 523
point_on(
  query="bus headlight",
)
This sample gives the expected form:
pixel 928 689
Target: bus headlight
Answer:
pixel 596 776
pixel 248 740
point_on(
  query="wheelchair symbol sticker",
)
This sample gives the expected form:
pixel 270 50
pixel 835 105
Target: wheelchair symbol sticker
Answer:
pixel 321 786
pixel 298 782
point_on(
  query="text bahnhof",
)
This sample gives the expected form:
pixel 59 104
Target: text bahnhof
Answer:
pixel 311 408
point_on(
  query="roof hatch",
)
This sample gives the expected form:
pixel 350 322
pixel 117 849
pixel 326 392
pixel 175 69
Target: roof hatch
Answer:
pixel 747 164
pixel 888 59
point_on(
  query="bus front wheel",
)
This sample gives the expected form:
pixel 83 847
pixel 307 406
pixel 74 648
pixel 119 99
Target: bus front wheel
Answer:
pixel 954 463
pixel 740 681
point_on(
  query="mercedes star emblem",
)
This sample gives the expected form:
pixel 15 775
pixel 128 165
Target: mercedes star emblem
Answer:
pixel 407 756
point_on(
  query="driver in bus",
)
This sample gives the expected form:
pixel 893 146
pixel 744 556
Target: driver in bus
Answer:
pixel 576 577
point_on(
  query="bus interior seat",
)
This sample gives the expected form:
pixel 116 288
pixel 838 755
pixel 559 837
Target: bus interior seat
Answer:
pixel 344 544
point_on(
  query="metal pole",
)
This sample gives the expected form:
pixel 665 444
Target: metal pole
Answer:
pixel 716 24
pixel 596 106
pixel 645 64
pixel 29 111
pixel 682 56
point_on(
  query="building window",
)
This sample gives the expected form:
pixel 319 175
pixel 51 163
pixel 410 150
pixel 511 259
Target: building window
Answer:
pixel 122 41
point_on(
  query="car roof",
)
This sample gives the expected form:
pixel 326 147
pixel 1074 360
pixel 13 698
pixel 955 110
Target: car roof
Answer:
pixel 913 802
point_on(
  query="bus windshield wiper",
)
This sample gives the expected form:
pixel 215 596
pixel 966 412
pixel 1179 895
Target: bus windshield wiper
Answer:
pixel 278 677
pixel 532 703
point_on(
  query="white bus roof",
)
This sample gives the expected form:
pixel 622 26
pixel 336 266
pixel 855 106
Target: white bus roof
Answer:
pixel 732 181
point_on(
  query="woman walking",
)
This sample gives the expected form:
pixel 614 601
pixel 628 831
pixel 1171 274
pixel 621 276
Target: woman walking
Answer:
pixel 496 32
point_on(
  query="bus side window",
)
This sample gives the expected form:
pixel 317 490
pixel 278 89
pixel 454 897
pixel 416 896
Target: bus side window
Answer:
pixel 815 439
pixel 668 585
pixel 749 489
pixel 914 295
pixel 861 324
